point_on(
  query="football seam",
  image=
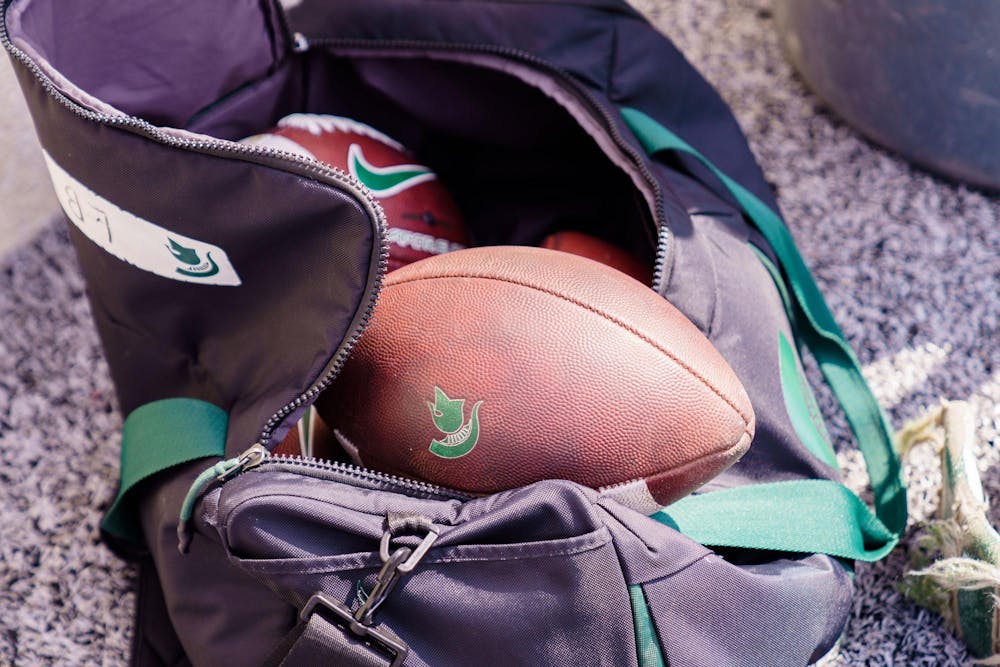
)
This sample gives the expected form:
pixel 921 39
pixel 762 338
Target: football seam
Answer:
pixel 739 444
pixel 610 318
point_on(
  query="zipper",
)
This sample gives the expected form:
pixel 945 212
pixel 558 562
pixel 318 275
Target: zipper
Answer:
pixel 258 458
pixel 662 233
pixel 230 149
pixel 356 476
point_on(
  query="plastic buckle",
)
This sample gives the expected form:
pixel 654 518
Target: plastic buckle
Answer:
pixel 376 638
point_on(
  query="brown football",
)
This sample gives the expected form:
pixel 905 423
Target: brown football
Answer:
pixel 599 250
pixel 490 368
pixel 421 216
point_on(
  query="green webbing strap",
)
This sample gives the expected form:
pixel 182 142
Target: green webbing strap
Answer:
pixel 157 436
pixel 836 360
pixel 802 516
pixel 647 643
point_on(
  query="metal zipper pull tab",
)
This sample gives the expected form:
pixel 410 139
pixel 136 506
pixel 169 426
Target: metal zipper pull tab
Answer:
pixel 300 43
pixel 251 458
pixel 220 472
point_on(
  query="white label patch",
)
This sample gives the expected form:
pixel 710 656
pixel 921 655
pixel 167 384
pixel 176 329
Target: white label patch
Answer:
pixel 137 241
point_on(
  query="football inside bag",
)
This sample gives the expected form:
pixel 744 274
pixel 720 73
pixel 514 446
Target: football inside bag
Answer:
pixel 230 282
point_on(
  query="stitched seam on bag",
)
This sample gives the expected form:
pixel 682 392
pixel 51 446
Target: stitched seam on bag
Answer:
pixel 642 581
pixel 288 565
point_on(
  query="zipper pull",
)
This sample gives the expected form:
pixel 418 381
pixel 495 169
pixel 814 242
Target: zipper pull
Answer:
pixel 251 458
pixel 300 43
pixel 222 471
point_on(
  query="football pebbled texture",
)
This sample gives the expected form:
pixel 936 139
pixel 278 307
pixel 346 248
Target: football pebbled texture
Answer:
pixel 494 367
pixel 422 217
pixel 599 250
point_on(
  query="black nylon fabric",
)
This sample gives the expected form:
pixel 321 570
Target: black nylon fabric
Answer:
pixel 279 229
pixel 707 610
pixel 146 57
pixel 488 593
pixel 154 642
pixel 323 643
pixel 221 614
pixel 306 251
pixel 533 171
pixel 606 45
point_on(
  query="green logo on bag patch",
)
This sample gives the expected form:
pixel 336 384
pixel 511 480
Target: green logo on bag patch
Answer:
pixel 196 268
pixel 449 418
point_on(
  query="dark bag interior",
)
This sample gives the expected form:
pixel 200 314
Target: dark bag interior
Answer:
pixel 515 155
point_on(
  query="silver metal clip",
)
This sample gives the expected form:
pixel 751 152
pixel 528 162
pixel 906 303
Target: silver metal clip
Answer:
pixel 251 458
pixel 221 472
pixel 395 564
pixel 418 553
pixel 300 43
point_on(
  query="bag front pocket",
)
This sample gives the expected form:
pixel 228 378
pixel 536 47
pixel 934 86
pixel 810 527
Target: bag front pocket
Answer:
pixel 529 576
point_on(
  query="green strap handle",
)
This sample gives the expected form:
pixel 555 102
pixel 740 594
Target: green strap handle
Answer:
pixel 157 436
pixel 820 333
pixel 801 516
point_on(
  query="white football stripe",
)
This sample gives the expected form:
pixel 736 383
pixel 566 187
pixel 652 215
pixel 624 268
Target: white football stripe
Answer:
pixel 317 124
pixel 278 142
pixel 634 494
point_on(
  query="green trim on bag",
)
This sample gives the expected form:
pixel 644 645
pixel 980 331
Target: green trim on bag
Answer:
pixel 801 516
pixel 779 283
pixel 800 403
pixel 815 324
pixel 157 436
pixel 647 644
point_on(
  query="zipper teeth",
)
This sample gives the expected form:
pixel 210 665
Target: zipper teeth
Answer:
pixel 230 149
pixel 662 231
pixel 345 350
pixel 660 265
pixel 341 357
pixel 356 473
pixel 223 147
